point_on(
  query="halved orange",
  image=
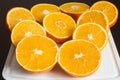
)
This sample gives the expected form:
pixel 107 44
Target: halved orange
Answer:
pixel 94 16
pixel 74 9
pixel 16 15
pixel 37 53
pixel 26 28
pixel 79 57
pixel 59 26
pixel 41 10
pixel 109 9
pixel 92 32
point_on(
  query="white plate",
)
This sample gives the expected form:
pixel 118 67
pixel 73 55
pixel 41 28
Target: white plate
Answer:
pixel 109 68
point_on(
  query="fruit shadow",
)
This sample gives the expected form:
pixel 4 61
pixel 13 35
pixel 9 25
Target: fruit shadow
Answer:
pixel 59 72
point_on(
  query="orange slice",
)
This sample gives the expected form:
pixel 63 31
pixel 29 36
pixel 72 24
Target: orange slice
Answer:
pixel 26 28
pixel 79 57
pixel 59 26
pixel 109 9
pixel 94 16
pixel 74 9
pixel 41 10
pixel 16 15
pixel 92 32
pixel 37 53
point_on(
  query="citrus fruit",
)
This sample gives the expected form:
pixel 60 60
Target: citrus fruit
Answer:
pixel 16 15
pixel 109 9
pixel 92 32
pixel 41 10
pixel 79 57
pixel 37 53
pixel 59 26
pixel 74 9
pixel 94 16
pixel 26 28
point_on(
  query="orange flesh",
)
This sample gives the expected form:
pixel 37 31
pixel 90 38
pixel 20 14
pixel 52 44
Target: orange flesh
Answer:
pixel 36 56
pixel 81 59
pixel 59 25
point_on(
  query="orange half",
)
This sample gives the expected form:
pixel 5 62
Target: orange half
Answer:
pixel 74 9
pixel 92 32
pixel 94 16
pixel 37 53
pixel 26 28
pixel 16 15
pixel 79 57
pixel 59 26
pixel 41 10
pixel 109 9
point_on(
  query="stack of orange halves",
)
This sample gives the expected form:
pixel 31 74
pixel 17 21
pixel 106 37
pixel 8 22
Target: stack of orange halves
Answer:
pixel 36 33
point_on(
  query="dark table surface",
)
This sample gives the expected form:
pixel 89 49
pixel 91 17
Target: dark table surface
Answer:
pixel 5 5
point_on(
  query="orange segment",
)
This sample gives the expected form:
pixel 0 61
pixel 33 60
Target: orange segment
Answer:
pixel 94 16
pixel 59 25
pixel 92 32
pixel 26 28
pixel 75 9
pixel 16 15
pixel 109 9
pixel 41 10
pixel 37 53
pixel 79 57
